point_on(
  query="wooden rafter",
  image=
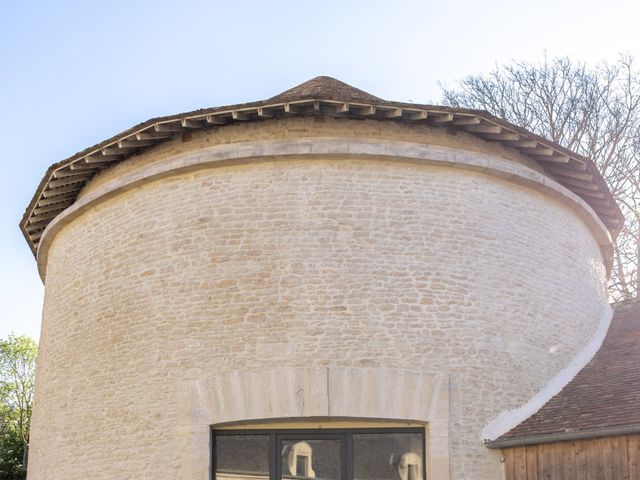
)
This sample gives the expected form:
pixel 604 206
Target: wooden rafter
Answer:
pixel 65 181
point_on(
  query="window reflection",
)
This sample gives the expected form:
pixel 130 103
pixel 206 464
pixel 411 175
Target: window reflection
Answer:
pixel 312 459
pixel 382 454
pixel 392 456
pixel 242 457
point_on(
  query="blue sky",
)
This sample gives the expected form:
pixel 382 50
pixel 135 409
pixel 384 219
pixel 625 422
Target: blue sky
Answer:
pixel 73 73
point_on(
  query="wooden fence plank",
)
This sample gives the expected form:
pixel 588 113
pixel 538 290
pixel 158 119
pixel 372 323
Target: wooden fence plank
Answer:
pixel 592 452
pixel 509 463
pixel 532 462
pixel 546 460
pixel 581 460
pixel 556 471
pixel 520 463
pixel 567 460
pixel 620 470
pixel 606 458
pixel 633 456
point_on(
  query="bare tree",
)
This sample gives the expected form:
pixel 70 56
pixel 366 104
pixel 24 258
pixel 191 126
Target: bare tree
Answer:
pixel 592 111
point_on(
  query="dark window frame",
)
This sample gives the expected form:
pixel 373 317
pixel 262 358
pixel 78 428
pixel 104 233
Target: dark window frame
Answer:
pixel 276 436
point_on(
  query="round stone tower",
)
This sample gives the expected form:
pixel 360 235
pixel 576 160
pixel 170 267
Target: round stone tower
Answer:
pixel 320 260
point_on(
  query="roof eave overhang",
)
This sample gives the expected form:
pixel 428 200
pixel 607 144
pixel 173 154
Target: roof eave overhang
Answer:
pixel 63 181
pixel 564 436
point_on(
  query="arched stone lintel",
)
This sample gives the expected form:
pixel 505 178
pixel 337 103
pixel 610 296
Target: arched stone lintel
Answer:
pixel 288 393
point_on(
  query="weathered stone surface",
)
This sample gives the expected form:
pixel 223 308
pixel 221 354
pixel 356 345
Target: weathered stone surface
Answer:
pixel 187 284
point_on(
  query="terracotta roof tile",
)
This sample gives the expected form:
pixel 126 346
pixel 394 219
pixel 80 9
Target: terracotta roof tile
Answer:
pixel 604 394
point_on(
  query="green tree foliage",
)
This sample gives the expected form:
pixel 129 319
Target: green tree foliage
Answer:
pixel 594 111
pixel 17 372
pixel 11 454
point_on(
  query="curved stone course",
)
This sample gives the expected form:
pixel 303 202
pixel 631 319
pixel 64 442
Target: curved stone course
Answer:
pixel 323 147
pixel 174 280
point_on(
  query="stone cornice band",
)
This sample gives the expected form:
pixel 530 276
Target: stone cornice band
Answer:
pixel 326 147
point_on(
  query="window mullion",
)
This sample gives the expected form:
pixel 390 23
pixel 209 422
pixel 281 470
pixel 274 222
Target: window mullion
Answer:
pixel 348 474
pixel 273 456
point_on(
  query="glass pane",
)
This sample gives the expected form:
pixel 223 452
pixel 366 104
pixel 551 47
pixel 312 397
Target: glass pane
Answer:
pixel 312 459
pixel 242 457
pixel 387 456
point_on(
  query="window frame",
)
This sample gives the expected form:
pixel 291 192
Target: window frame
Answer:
pixel 277 435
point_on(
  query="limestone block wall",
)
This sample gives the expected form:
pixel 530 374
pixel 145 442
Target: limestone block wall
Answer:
pixel 330 261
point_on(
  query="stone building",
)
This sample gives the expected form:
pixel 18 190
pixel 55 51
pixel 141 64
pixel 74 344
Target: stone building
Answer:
pixel 322 285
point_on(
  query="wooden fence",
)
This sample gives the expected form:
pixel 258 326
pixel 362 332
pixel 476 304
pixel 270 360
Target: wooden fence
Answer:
pixel 608 458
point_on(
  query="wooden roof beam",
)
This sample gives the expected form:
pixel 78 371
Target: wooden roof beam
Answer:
pixel 82 166
pixel 69 180
pixel 553 158
pixel 216 120
pixel 126 143
pixel 366 111
pixel 465 120
pixel 40 212
pixel 189 123
pixel 43 202
pixel 43 220
pixel 265 113
pixel 569 173
pixel 522 143
pixel 441 118
pixel 36 222
pixel 55 192
pixel 101 157
pixel 35 229
pixel 291 108
pixel 342 108
pixel 152 135
pixel 167 127
pixel 66 172
pixel 34 237
pixel 581 183
pixel 601 205
pixel 393 113
pixel 540 150
pixel 504 136
pixel 417 116
pixel 572 166
pixel 239 116
pixel 116 150
pixel 484 128
pixel 583 192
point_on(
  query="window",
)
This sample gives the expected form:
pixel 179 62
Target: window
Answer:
pixel 347 454
pixel 302 466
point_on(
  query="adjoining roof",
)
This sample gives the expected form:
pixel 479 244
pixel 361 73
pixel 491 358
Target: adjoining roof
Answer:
pixel 326 96
pixel 602 400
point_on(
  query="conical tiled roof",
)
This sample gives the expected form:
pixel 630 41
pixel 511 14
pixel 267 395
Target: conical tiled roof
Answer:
pixel 327 88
